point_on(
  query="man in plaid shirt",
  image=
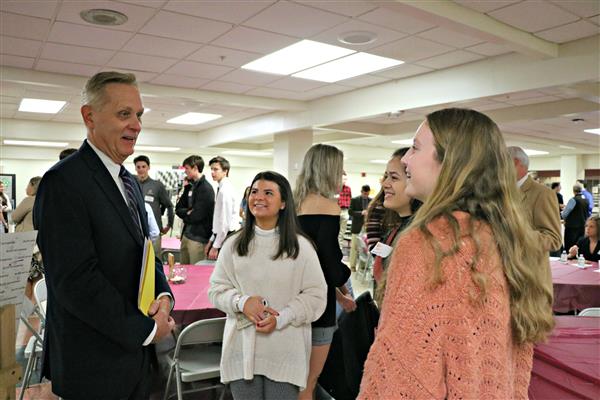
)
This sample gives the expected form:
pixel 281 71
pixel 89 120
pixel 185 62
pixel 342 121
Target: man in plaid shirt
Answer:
pixel 344 198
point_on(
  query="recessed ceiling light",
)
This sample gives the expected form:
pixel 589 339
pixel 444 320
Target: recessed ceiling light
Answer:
pixel 34 143
pixel 593 131
pixel 158 149
pixel 566 147
pixel 403 141
pixel 193 118
pixel 99 16
pixel 348 67
pixel 357 37
pixel 531 152
pixel 299 56
pixel 41 106
pixel 249 153
pixel 379 161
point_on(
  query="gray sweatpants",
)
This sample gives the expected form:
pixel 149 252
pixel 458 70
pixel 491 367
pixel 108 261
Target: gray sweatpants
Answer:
pixel 263 388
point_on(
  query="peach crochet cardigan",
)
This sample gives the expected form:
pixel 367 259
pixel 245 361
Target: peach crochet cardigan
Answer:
pixel 435 343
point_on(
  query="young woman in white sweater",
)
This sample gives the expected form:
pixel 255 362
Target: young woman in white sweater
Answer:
pixel 269 282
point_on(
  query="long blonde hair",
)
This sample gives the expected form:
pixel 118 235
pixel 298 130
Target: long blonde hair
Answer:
pixel 477 176
pixel 321 173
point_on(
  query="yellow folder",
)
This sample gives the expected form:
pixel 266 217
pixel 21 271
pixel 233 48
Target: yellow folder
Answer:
pixel 147 278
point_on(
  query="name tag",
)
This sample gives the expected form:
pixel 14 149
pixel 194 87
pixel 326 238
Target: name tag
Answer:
pixel 382 250
pixel 148 198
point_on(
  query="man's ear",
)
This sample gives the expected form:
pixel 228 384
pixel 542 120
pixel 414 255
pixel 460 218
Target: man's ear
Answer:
pixel 86 113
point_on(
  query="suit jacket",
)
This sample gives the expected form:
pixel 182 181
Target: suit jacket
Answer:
pixel 539 202
pixel 92 256
pixel 355 212
pixel 200 219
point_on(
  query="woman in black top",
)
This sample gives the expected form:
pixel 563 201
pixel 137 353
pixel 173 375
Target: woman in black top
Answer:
pixel 319 214
pixel 588 245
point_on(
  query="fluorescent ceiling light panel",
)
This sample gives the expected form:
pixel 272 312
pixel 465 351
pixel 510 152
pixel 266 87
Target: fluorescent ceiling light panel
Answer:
pixel 593 131
pixel 348 67
pixel 159 149
pixel 531 152
pixel 379 161
pixel 193 118
pixel 566 147
pixel 35 143
pixel 41 106
pixel 249 153
pixel 299 56
pixel 408 142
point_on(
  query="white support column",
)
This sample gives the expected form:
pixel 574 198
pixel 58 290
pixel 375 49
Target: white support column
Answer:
pixel 571 169
pixel 288 152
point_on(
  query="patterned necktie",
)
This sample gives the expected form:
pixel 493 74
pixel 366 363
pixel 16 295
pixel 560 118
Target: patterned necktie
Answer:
pixel 128 184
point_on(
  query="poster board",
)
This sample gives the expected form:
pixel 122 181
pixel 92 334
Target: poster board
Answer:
pixel 10 187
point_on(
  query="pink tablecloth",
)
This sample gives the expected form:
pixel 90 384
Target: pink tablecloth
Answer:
pixel 568 366
pixel 191 297
pixel 170 243
pixel 574 288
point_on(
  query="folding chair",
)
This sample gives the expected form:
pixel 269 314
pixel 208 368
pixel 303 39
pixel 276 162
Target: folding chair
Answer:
pixel 197 356
pixel 40 294
pixel 590 312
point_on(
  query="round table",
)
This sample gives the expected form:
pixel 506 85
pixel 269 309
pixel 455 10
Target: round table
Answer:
pixel 575 288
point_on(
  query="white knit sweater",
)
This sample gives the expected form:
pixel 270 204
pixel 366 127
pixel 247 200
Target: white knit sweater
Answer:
pixel 295 288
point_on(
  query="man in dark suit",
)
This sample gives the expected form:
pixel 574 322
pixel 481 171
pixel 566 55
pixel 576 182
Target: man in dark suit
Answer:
pixel 92 223
pixel 357 211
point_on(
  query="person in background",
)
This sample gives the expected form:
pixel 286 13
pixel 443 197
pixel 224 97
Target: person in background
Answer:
pixel 375 219
pixel 6 206
pixel 358 210
pixel 588 196
pixel 243 205
pixel 467 293
pixel 395 200
pixel 195 207
pixel 538 202
pixel 344 198
pixel 317 184
pixel 575 215
pixel 91 221
pixel 556 187
pixel 269 273
pixel 156 196
pixel 225 214
pixel 589 245
pixel 65 153
pixel 22 216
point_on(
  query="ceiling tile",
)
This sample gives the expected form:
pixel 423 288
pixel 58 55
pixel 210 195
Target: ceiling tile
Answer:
pixel 229 87
pixel 384 35
pixel 88 36
pixel 295 84
pixel 306 21
pixel 254 40
pixel 146 3
pixel 76 54
pixel 363 81
pixel 16 61
pixel 136 16
pixel 158 46
pixel 323 91
pixel 533 100
pixel 595 19
pixel 33 8
pixel 450 59
pixel 141 62
pixel 198 70
pixel 489 49
pixel 140 76
pixel 411 48
pixel 528 94
pixel 19 47
pixel 485 5
pixel 179 81
pixel 234 12
pixel 403 71
pixel 582 8
pixel 526 15
pixel 569 32
pixel 275 93
pixel 246 77
pixel 9 100
pixel 66 68
pixel 223 56
pixel 350 8
pixel 13 25
pixel 177 26
pixel 449 37
pixel 396 21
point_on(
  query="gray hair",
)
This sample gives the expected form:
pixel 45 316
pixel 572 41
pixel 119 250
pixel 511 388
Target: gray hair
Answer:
pixel 321 172
pixel 577 189
pixel 93 93
pixel 34 182
pixel 517 153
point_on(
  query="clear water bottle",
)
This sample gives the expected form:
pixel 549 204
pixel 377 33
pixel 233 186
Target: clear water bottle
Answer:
pixel 563 257
pixel 581 261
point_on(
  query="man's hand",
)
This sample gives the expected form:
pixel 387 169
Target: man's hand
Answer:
pixel 159 311
pixel 165 229
pixel 213 253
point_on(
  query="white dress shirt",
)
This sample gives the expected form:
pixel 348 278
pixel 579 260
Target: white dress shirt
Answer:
pixel 225 216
